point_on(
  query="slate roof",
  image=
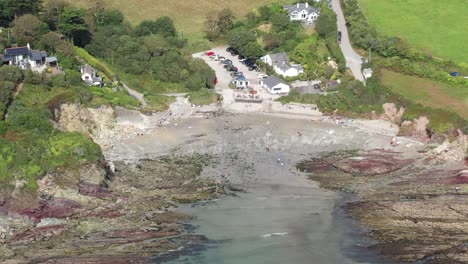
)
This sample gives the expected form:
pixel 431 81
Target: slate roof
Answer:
pixel 299 7
pixel 279 57
pixel 286 66
pixel 88 69
pixel 17 51
pixel 51 59
pixel 36 55
pixel 272 81
pixel 6 58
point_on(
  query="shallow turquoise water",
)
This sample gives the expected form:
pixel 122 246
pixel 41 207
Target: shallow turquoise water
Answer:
pixel 269 225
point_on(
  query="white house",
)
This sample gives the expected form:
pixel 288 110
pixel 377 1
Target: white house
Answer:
pixel 275 85
pixel 89 76
pixel 288 70
pixel 281 65
pixel 302 12
pixel 24 57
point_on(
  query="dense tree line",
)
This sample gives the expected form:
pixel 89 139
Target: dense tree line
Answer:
pixel 152 48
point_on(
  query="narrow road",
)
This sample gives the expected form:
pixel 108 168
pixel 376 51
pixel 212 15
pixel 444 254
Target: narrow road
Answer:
pixel 140 97
pixel 353 59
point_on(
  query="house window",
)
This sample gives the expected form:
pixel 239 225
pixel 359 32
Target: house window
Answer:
pixel 304 15
pixel 276 89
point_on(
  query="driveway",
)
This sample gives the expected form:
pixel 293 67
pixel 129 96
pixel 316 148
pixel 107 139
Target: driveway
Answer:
pixel 353 59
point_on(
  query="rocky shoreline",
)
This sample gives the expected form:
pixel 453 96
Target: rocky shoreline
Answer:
pixel 415 205
pixel 101 217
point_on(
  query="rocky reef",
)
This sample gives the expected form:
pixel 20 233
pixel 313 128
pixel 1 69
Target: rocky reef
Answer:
pixel 415 206
pixel 99 215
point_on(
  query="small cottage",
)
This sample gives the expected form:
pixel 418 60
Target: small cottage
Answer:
pixel 288 70
pixel 89 76
pixel 241 83
pixel 281 65
pixel 275 85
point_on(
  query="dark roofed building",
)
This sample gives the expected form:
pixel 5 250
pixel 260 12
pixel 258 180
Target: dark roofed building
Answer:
pixel 275 85
pixel 24 57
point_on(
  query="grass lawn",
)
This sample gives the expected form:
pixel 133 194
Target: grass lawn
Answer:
pixel 438 27
pixel 427 92
pixel 188 15
pixel 204 97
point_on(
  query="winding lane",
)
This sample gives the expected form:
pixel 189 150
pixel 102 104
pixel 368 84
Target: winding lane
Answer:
pixel 353 59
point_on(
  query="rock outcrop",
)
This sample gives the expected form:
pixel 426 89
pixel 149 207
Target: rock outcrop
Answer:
pixel 414 206
pixel 89 216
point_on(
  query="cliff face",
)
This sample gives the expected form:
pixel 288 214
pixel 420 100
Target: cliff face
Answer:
pixel 104 125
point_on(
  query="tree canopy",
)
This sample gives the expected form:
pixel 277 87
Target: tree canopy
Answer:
pixel 9 9
pixel 26 29
pixel 72 23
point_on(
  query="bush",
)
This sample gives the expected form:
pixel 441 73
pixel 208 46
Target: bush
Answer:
pixel 22 119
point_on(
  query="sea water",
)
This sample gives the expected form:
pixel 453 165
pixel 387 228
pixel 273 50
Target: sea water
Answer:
pixel 278 224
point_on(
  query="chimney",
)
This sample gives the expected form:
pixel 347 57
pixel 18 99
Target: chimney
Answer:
pixel 307 4
pixel 29 47
pixel 297 5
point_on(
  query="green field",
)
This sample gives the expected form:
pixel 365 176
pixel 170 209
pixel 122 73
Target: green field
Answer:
pixel 188 15
pixel 437 27
pixel 427 92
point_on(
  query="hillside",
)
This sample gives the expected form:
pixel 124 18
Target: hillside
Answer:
pixel 433 26
pixel 188 15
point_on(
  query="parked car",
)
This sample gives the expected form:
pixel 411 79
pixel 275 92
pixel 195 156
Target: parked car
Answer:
pixel 210 53
pixel 227 66
pixel 249 62
pixel 253 67
pixel 262 75
pixel 242 57
pixel 234 69
pixel 227 62
pixel 229 49
pixel 339 34
pixel 455 74
pixel 234 52
pixel 237 74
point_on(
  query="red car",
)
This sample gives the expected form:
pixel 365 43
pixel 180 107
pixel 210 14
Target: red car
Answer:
pixel 210 53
